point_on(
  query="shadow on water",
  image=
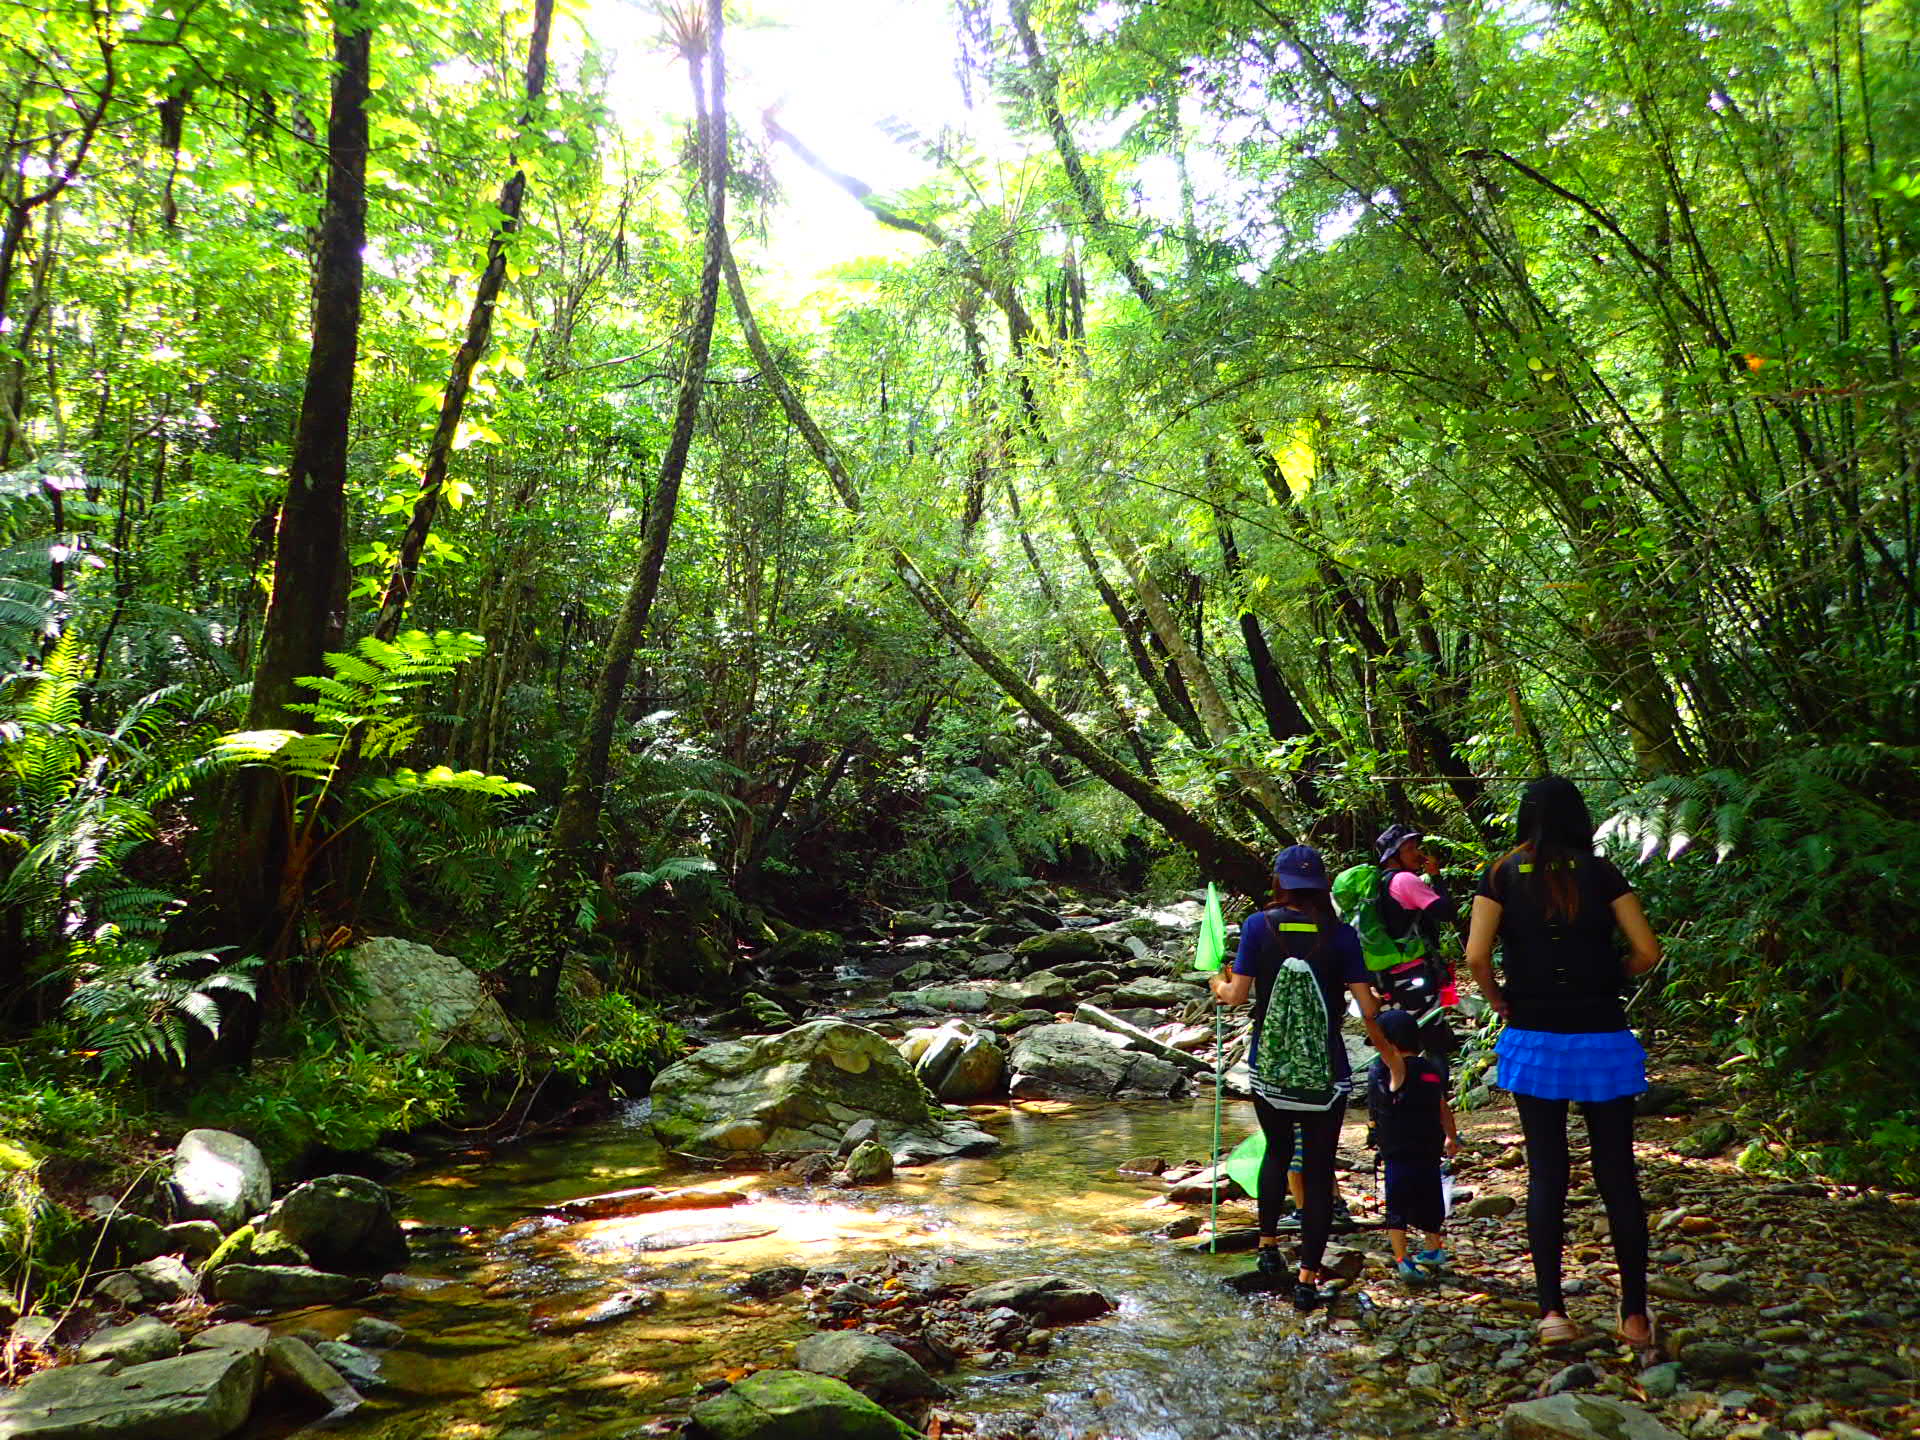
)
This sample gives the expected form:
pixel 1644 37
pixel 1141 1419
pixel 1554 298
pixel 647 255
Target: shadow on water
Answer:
pixel 1181 1359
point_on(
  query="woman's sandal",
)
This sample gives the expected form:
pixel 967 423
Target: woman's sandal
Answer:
pixel 1556 1330
pixel 1648 1351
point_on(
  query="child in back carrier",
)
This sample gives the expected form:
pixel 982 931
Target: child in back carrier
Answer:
pixel 1414 1126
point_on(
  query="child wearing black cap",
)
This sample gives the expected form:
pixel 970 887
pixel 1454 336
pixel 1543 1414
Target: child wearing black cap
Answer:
pixel 1414 1127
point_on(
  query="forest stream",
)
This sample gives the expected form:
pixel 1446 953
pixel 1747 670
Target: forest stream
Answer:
pixel 1172 1361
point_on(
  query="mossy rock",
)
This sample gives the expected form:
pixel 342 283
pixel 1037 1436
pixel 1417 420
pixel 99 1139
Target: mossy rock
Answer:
pixel 794 1405
pixel 806 950
pixel 15 1158
pixel 798 1091
pixel 1060 947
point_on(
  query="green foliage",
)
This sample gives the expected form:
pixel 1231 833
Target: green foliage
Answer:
pixel 48 1095
pixel 368 712
pixel 330 1092
pixel 1796 920
pixel 131 1004
pixel 76 800
pixel 605 1036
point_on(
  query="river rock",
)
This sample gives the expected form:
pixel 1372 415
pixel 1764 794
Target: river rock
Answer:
pixel 195 1239
pixel 1052 1298
pixel 218 1176
pixel 138 1238
pixel 202 1395
pixel 371 1332
pixel 956 1062
pixel 1581 1417
pixel 234 1335
pixel 867 1363
pixel 344 1223
pixel 298 1365
pixel 135 1343
pixel 1020 1020
pixel 411 997
pixel 1707 1142
pixel 808 949
pixel 799 1091
pixel 1071 1060
pixel 1154 992
pixel 794 1405
pixel 946 999
pixel 1487 1207
pixel 1059 946
pixel 1724 1289
pixel 359 1369
pixel 278 1287
pixel 1039 989
pixel 1719 1359
pixel 164 1279
pixel 871 1163
pixel 774 1280
pixel 1661 1381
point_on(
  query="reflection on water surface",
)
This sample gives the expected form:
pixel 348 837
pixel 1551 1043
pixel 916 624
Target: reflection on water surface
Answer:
pixel 1181 1359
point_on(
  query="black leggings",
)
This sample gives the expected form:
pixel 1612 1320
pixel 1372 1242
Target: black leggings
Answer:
pixel 1610 1136
pixel 1320 1137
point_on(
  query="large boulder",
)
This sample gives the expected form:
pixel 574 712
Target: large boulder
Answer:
pixel 794 1405
pixel 956 1062
pixel 411 997
pixel 1571 1416
pixel 278 1287
pixel 1073 1060
pixel 218 1176
pixel 135 1343
pixel 201 1395
pixel 344 1223
pixel 800 1091
pixel 867 1363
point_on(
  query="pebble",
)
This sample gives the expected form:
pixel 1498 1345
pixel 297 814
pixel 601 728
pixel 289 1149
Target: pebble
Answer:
pixel 1577 1376
pixel 1661 1381
pixel 1724 1289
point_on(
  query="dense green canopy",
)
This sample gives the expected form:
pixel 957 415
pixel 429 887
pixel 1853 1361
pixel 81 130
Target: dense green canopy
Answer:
pixel 1294 417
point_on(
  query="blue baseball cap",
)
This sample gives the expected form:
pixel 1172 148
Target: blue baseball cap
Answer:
pixel 1401 1028
pixel 1299 867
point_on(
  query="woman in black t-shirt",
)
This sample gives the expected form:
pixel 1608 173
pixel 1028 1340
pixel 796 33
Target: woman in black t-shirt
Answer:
pixel 1556 910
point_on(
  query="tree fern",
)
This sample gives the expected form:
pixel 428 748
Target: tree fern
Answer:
pixel 133 1005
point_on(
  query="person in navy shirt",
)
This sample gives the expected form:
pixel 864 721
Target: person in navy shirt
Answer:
pixel 1413 1127
pixel 1299 926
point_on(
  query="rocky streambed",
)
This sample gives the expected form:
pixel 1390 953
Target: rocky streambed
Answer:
pixel 915 1194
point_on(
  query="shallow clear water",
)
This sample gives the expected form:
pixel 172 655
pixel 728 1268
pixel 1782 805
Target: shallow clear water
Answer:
pixel 1182 1358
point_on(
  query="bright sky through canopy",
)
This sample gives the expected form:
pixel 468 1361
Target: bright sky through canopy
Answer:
pixel 836 70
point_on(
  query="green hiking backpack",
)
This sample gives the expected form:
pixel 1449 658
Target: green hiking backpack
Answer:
pixel 1359 895
pixel 1291 1065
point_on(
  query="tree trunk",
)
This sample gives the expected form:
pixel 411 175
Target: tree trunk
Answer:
pixel 1220 854
pixel 1223 729
pixel 453 401
pixel 309 545
pixel 576 826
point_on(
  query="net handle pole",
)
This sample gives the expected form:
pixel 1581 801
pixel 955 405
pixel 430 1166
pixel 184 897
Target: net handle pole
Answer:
pixel 1213 1186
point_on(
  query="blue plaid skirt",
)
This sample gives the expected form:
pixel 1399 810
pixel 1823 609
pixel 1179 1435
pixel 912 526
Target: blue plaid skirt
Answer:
pixel 1552 1066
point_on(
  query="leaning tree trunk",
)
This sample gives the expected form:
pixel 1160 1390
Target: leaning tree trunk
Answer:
pixel 251 873
pixel 453 401
pixel 1218 852
pixel 576 825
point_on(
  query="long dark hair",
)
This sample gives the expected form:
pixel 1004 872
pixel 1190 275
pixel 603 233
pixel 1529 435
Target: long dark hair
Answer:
pixel 1554 831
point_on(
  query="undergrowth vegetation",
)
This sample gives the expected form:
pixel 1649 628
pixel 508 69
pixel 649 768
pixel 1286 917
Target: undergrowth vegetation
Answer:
pixel 1792 918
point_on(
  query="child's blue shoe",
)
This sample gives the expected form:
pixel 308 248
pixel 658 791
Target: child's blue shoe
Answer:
pixel 1435 1259
pixel 1411 1273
